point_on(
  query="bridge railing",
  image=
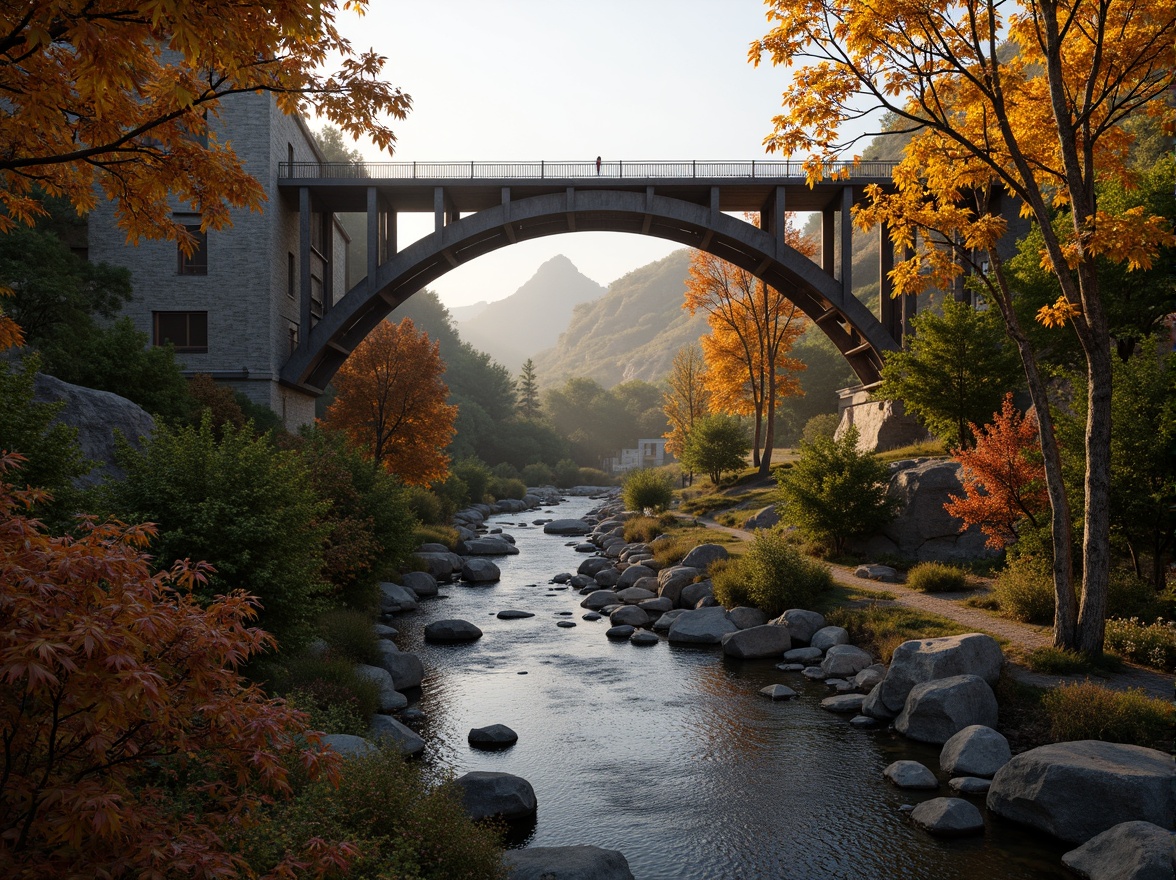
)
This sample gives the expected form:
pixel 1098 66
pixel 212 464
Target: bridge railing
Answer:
pixel 576 170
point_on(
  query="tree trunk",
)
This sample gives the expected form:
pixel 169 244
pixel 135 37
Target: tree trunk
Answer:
pixel 765 465
pixel 759 424
pixel 1096 532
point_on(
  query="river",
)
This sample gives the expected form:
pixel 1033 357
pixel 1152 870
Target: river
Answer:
pixel 669 754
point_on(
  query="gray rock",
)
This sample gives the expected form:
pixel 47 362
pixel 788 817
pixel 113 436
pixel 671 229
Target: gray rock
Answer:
pixel 633 595
pixel 452 630
pixel 565 624
pixel 634 573
pixel 96 415
pixel 1127 851
pixel 937 710
pixel 567 527
pixel 485 794
pixel 703 626
pixel 813 673
pixel 594 565
pixel 845 661
pixel 764 518
pixel 350 746
pixel 828 636
pixel 406 669
pixel 629 615
pixel 778 692
pixel 591 615
pixel 663 623
pixel 494 736
pixel 765 640
pixel 843 703
pixel 480 571
pixel 881 424
pixel 439 563
pixel 420 582
pixel 512 614
pixel 643 638
pixel 607 577
pixel 487 546
pixel 869 678
pixel 620 631
pixel 390 699
pixel 599 599
pixel 948 817
pixel 864 722
pixel 875 708
pixel 692 594
pixel 745 618
pixel 922 660
pixel 876 573
pixel 975 751
pixel 394 598
pixel 801 655
pixel 911 774
pixel 706 602
pixel 790 667
pixel 655 607
pixel 566 863
pixel 803 624
pixel 383 631
pixel 1076 790
pixel 969 784
pixel 388 729
pixel 703 555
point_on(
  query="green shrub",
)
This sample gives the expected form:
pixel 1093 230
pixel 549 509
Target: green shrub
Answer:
pixel 823 425
pixel 642 529
pixel 538 474
pixel 330 717
pixel 505 470
pixel 1025 589
pixel 1088 711
pixel 323 681
pixel 1151 644
pixel 239 504
pixel 435 534
pixel 587 476
pixel 403 825
pixel 349 635
pixel 1057 661
pixel 647 489
pixel 937 577
pixel 425 505
pixel 507 487
pixel 882 628
pixel 730 583
pixel 477 477
pixel 773 576
pixel 453 494
pixel 715 445
pixel 835 492
pixel 1127 595
pixel 566 474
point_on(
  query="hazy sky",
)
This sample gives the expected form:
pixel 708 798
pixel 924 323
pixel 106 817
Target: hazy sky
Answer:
pixel 556 80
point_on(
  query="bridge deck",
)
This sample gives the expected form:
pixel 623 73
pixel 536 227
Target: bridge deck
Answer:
pixel 475 186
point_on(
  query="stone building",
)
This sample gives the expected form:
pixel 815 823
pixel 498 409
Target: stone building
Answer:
pixel 213 305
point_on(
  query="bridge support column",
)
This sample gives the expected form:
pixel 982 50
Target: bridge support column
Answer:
pixel 828 219
pixel 303 266
pixel 772 216
pixel 847 241
pixel 890 309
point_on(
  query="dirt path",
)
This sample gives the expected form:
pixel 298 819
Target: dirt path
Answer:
pixel 1021 637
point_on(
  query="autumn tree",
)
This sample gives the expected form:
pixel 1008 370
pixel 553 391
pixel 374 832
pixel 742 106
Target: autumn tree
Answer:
pixel 686 399
pixel 528 391
pixel 753 327
pixel 953 371
pixel 973 82
pixel 1002 477
pixel 121 100
pixel 132 745
pixel 390 402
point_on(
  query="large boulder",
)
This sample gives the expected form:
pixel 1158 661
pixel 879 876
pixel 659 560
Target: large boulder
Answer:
pixel 829 636
pixel 766 640
pixel 394 598
pixel 567 527
pixel 480 571
pixel 803 625
pixel 692 594
pixel 420 582
pixel 485 794
pixel 451 631
pixel 845 661
pixel 703 555
pixel 923 660
pixel 702 626
pixel 911 774
pixel 1076 790
pixel 593 565
pixel 387 729
pixel 566 863
pixel 635 595
pixel 764 518
pixel 629 615
pixel 598 599
pixel 923 529
pixel 948 817
pixel 745 618
pixel 634 573
pixel 937 710
pixel 1128 851
pixel 389 698
pixel 441 564
pixel 406 669
pixel 487 545
pixel 975 751
pixel 491 737
pixel 671 581
pixel 97 415
pixel 349 746
pixel 881 424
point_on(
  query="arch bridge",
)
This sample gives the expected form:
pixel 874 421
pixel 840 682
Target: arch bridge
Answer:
pixel 480 207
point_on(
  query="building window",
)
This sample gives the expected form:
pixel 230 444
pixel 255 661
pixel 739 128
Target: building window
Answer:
pixel 195 263
pixel 187 331
pixel 293 331
pixel 291 276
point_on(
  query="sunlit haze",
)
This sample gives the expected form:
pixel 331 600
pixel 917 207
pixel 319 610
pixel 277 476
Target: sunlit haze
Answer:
pixel 548 79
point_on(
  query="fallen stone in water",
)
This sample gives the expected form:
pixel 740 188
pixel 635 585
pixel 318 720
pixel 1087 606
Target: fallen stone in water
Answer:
pixel 642 637
pixel 570 862
pixel 450 631
pixel 591 615
pixel 1130 850
pixel 778 692
pixel 864 722
pixel 494 736
pixel 511 614
pixel 790 667
pixel 969 784
pixel 803 655
pixel 911 774
pixel 485 794
pixel 623 631
pixel 815 673
pixel 566 624
pixel 948 817
pixel 975 751
pixel 843 703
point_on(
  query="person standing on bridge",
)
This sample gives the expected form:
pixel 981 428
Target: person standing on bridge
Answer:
pixel 598 166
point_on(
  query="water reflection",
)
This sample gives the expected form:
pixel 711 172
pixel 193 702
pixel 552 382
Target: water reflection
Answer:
pixel 669 754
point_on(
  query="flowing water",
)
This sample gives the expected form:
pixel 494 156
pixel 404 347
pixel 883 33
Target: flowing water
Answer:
pixel 669 754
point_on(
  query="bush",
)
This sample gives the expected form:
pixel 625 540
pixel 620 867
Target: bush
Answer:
pixel 835 492
pixel 715 445
pixel 937 577
pixel 323 681
pixel 477 476
pixel 773 576
pixel 1025 589
pixel 1057 661
pixel 402 826
pixel 538 474
pixel 1128 595
pixel 505 470
pixel 1151 644
pixel 349 635
pixel 643 529
pixel 647 489
pixel 435 534
pixel 425 505
pixel 882 628
pixel 567 473
pixel 239 504
pixel 330 717
pixel 587 476
pixel 508 487
pixel 822 426
pixel 1088 711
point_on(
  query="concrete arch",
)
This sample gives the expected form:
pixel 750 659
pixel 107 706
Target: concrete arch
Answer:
pixel 856 332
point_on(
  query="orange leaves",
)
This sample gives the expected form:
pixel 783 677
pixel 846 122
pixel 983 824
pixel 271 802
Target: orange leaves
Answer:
pixel 390 402
pixel 102 93
pixel 114 678
pixel 1003 477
